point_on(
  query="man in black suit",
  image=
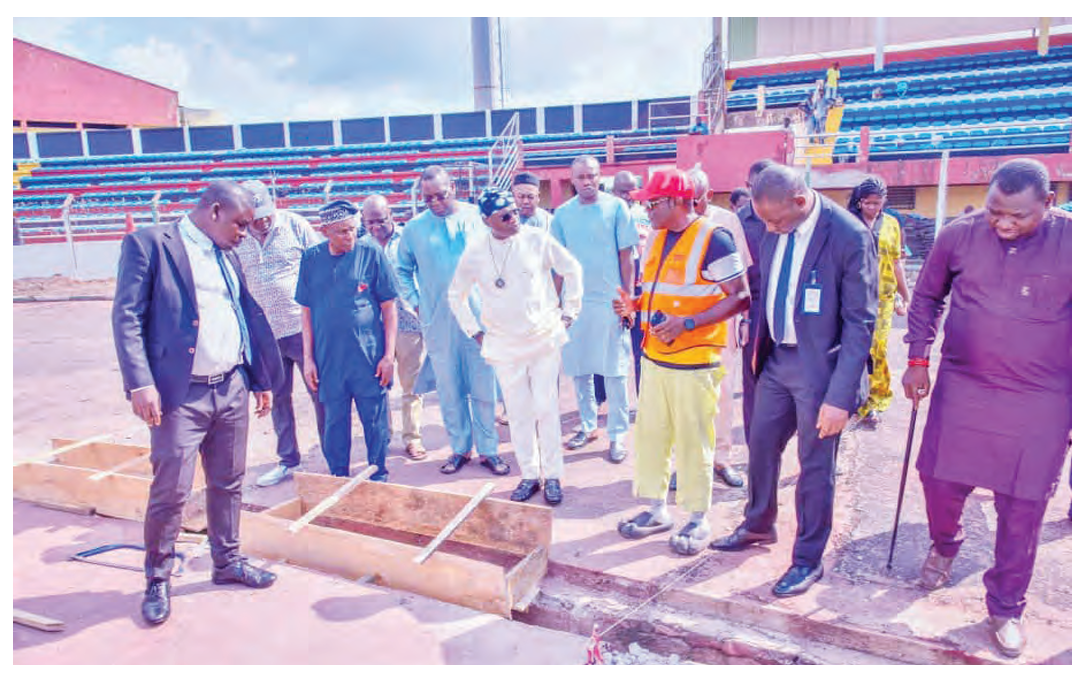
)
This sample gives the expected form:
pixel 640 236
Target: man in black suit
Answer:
pixel 754 230
pixel 191 343
pixel 810 348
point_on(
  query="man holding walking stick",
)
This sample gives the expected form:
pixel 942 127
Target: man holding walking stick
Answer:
pixel 1001 408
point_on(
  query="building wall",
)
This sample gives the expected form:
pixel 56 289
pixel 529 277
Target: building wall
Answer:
pixel 52 87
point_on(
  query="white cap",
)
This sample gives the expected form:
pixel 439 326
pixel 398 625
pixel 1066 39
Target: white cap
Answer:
pixel 264 206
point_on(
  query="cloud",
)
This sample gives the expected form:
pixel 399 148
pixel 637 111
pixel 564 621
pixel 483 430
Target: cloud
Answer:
pixel 267 69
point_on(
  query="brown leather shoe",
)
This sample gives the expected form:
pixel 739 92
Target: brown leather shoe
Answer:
pixel 936 571
pixel 1008 635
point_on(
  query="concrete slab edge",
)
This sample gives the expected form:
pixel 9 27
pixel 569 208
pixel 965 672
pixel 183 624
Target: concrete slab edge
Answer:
pixel 756 617
pixel 56 298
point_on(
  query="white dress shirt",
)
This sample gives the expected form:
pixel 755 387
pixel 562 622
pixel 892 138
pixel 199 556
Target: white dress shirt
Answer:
pixel 219 347
pixel 522 319
pixel 802 234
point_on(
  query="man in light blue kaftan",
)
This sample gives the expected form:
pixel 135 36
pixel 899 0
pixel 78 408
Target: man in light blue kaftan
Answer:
pixel 597 229
pixel 430 247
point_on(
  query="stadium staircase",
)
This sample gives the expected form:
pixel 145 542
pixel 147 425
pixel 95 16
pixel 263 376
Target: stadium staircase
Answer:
pixel 983 104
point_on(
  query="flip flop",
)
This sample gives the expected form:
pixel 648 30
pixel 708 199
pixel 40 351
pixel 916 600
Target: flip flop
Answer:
pixel 683 543
pixel 643 525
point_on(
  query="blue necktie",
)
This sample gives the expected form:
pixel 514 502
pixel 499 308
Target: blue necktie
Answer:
pixel 233 296
pixel 782 290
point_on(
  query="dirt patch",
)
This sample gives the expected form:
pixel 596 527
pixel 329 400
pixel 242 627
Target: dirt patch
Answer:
pixel 62 286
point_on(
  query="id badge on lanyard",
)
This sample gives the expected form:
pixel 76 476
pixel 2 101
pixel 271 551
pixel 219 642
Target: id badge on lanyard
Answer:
pixel 813 296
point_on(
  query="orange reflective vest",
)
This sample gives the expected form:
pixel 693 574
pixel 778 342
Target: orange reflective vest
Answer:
pixel 674 286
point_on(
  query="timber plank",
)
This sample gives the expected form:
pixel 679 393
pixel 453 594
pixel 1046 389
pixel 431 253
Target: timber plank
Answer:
pixel 496 523
pixel 471 583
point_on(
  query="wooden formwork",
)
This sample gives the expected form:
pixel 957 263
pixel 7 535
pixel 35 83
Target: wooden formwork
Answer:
pixel 493 562
pixel 104 478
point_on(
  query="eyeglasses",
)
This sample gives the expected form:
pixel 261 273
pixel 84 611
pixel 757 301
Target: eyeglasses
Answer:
pixel 652 203
pixel 509 215
pixel 374 221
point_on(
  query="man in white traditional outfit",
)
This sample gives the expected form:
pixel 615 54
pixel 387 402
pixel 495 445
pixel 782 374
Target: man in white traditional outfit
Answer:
pixel 523 330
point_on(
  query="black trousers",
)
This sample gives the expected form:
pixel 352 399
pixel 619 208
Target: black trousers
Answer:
pixel 211 422
pixel 788 403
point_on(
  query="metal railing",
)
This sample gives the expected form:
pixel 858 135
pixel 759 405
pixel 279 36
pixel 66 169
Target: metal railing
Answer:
pixel 505 155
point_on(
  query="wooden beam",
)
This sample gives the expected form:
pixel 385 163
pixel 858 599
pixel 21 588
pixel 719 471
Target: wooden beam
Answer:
pixel 329 501
pixel 78 444
pixel 523 580
pixel 119 467
pixel 37 621
pixel 498 525
pixel 454 579
pixel 471 506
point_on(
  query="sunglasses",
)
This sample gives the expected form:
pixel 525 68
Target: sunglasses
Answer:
pixel 374 221
pixel 509 215
pixel 440 196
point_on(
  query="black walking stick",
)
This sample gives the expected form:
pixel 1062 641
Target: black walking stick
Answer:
pixel 902 484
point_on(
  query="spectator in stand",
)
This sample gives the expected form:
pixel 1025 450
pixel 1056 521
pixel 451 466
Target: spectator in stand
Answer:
pixel 270 259
pixel 866 202
pixel 377 219
pixel 832 76
pixel 1000 414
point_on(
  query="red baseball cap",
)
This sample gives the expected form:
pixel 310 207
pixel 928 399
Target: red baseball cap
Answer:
pixel 665 183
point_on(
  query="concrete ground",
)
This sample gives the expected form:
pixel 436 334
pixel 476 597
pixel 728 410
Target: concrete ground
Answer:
pixel 67 384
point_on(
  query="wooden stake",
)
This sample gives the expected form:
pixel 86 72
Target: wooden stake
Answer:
pixel 118 468
pixel 78 444
pixel 329 501
pixel 37 621
pixel 471 506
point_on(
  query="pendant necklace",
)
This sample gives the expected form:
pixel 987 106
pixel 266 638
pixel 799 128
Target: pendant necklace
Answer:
pixel 499 280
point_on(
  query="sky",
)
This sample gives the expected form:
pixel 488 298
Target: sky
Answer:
pixel 267 69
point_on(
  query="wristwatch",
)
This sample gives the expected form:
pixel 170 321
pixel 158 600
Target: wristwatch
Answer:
pixel 689 323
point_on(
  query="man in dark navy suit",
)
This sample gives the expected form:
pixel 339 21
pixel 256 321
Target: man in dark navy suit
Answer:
pixel 810 348
pixel 191 343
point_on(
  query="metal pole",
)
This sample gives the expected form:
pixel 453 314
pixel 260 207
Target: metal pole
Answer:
pixel 881 42
pixel 68 235
pixel 941 192
pixel 154 203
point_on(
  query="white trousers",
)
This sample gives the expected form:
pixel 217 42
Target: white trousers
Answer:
pixel 724 419
pixel 530 390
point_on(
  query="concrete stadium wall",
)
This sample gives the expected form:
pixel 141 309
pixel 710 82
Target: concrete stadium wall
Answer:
pixel 52 87
pixel 96 260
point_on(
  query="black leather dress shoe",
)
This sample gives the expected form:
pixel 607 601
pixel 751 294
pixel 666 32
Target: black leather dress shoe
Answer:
pixel 525 490
pixel 552 491
pixel 496 465
pixel 742 539
pixel 797 580
pixel 454 463
pixel 155 604
pixel 730 476
pixel 243 572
